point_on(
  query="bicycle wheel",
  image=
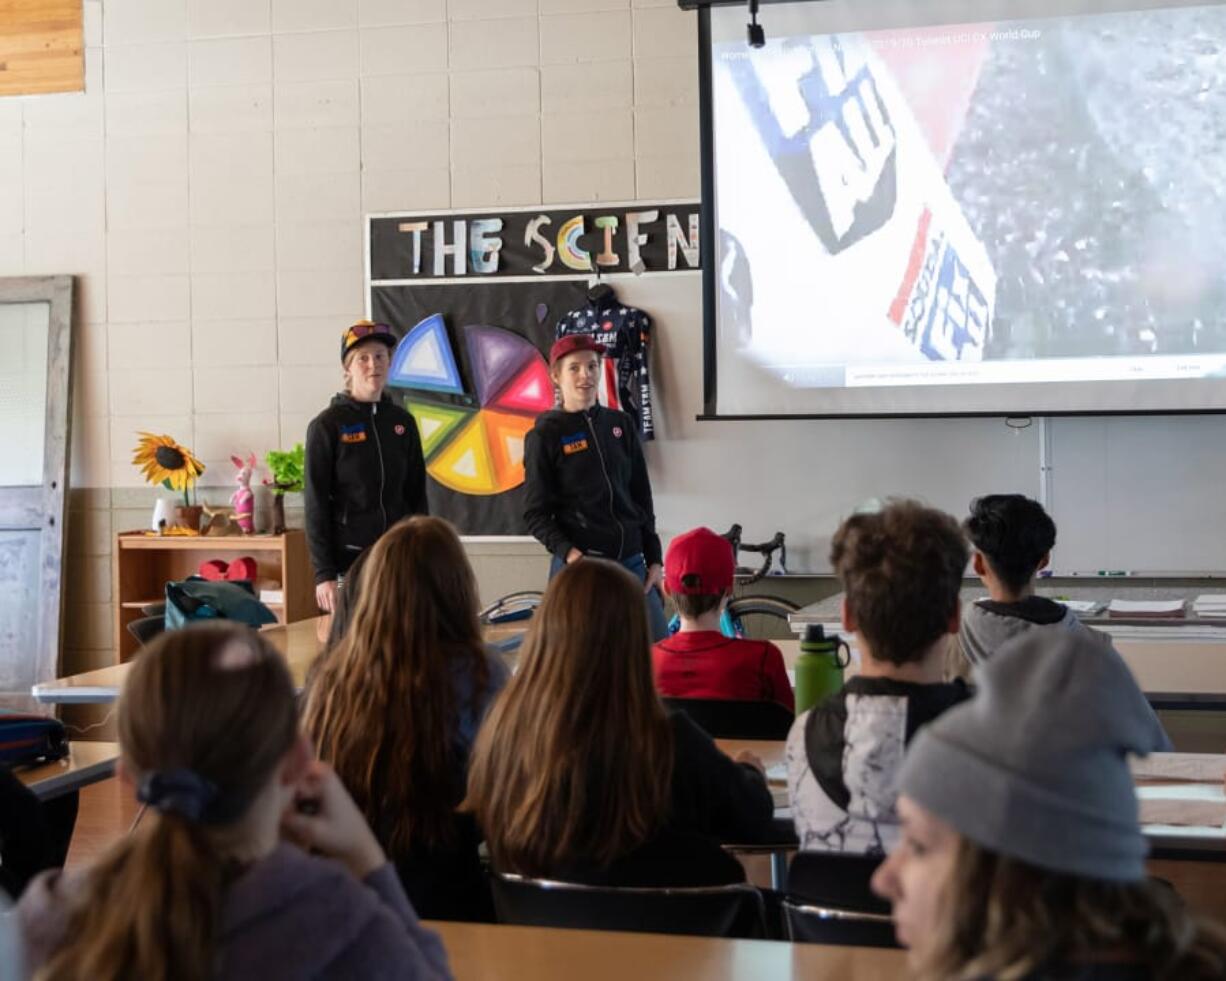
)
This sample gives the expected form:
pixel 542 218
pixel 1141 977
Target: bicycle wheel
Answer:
pixel 763 617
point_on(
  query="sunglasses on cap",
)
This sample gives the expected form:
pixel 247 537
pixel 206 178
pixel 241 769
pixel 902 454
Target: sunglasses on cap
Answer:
pixel 366 329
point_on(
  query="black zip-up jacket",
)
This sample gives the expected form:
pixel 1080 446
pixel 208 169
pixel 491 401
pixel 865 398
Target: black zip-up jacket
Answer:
pixel 364 472
pixel 587 485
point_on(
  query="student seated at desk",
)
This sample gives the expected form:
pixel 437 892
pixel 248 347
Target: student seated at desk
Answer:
pixel 206 887
pixel 699 661
pixel 901 570
pixel 394 707
pixel 579 774
pixel 1021 855
pixel 1012 537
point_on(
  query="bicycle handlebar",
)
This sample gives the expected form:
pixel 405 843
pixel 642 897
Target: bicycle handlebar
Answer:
pixel 765 549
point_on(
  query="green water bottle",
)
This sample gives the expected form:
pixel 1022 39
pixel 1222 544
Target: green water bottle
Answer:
pixel 819 669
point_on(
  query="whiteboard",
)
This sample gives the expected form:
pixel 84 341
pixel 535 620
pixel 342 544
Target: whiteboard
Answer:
pixel 1145 494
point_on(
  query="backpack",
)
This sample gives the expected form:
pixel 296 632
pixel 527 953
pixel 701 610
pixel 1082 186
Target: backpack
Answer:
pixel 31 739
pixel 202 599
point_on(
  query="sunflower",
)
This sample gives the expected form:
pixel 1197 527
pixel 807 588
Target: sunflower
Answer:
pixel 163 461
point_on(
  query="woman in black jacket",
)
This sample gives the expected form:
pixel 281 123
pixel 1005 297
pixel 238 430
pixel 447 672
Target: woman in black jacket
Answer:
pixel 579 773
pixel 364 465
pixel 587 490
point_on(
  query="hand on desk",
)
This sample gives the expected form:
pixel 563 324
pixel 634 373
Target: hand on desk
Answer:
pixel 324 819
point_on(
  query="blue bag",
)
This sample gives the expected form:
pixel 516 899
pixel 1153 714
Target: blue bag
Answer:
pixel 31 738
pixel 196 599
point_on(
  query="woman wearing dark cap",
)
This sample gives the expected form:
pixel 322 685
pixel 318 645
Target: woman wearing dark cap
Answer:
pixel 364 465
pixel 588 492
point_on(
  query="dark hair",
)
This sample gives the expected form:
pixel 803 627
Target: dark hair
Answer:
pixel 1014 533
pixel 382 706
pixel 214 700
pixel 693 605
pixel 346 600
pixel 574 762
pixel 901 569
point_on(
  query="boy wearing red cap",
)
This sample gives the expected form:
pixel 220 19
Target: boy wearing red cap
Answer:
pixel 586 490
pixel 699 661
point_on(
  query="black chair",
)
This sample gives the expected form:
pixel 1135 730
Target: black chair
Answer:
pixel 829 901
pixel 709 911
pixel 725 718
pixel 146 628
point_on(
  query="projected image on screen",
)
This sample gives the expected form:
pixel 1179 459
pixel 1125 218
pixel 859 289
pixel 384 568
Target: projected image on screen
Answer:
pixel 1017 206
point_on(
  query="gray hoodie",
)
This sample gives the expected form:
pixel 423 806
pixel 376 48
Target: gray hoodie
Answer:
pixel 290 916
pixel 988 625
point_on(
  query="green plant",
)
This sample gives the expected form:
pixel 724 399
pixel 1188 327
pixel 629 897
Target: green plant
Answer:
pixel 288 469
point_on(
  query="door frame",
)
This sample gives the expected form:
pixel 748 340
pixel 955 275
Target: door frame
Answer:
pixel 44 509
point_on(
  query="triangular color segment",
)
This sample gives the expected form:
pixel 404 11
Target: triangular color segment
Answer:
pixel 496 356
pixel 435 423
pixel 465 464
pixel 506 432
pixel 423 359
pixel 531 391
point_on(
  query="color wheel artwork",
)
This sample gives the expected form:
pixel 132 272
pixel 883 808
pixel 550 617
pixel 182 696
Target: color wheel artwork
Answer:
pixel 472 450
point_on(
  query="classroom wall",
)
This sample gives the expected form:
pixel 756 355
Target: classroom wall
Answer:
pixel 207 190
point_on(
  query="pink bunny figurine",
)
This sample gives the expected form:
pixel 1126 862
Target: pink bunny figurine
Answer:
pixel 243 499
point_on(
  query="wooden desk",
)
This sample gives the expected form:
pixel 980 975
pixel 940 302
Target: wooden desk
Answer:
pixel 489 952
pixel 299 643
pixel 85 763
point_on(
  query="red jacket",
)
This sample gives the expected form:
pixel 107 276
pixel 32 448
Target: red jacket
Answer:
pixel 706 664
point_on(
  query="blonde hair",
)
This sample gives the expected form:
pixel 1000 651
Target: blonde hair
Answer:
pixel 381 706
pixel 1005 919
pixel 151 906
pixel 574 762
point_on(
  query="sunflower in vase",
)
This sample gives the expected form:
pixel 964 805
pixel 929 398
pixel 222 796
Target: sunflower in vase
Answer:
pixel 163 461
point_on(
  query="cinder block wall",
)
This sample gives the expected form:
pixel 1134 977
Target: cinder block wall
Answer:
pixel 208 187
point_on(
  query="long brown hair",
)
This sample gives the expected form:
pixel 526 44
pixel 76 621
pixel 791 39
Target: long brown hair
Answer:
pixel 215 700
pixel 1004 919
pixel 381 707
pixel 574 761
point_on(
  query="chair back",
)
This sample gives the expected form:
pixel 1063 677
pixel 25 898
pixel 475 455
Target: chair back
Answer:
pixel 726 718
pixel 808 924
pixel 829 901
pixel 146 628
pixel 711 911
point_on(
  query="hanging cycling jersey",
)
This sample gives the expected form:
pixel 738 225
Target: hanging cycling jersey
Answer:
pixel 625 332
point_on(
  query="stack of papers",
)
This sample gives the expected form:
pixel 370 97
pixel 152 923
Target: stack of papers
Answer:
pixel 1083 608
pixel 1146 609
pixel 1210 605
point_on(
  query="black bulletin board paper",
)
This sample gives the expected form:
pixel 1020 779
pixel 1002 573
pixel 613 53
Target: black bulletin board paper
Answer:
pixel 521 270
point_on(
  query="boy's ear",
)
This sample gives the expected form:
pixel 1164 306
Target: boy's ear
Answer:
pixel 979 563
pixel 845 614
pixel 1043 562
pixel 664 587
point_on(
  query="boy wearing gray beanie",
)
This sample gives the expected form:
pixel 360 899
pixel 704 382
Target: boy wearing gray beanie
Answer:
pixel 1021 854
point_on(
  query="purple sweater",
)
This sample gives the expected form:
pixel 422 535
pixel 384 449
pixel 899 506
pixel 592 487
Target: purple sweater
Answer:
pixel 290 916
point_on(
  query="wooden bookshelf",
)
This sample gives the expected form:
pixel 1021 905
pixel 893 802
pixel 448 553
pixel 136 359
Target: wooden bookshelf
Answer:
pixel 144 564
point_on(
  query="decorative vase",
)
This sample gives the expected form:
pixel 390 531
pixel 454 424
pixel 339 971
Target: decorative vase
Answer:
pixel 163 514
pixel 188 516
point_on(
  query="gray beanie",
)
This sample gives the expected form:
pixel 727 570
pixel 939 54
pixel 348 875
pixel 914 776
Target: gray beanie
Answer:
pixel 1035 765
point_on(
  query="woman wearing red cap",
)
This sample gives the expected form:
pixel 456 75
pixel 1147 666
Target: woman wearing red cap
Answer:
pixel 588 492
pixel 364 465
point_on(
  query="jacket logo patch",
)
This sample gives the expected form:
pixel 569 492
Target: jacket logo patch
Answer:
pixel 353 434
pixel 575 443
pixel 617 432
pixel 399 429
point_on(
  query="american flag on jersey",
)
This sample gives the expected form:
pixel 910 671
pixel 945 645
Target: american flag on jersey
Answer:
pixel 626 334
